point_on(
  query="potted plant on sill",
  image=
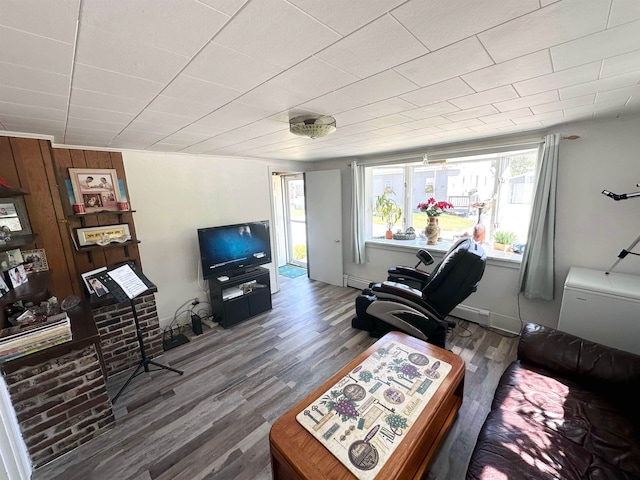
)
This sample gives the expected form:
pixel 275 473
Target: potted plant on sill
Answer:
pixel 389 211
pixel 503 240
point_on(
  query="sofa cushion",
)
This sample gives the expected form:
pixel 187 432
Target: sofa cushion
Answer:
pixel 512 446
pixel 566 411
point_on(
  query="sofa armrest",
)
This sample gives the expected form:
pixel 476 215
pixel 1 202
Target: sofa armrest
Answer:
pixel 568 355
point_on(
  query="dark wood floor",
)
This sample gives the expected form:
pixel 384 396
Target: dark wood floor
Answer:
pixel 213 422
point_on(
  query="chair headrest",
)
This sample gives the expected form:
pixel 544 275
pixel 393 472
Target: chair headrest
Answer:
pixel 464 254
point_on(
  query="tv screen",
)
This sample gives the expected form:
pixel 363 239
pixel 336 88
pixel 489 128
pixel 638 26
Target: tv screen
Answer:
pixel 231 249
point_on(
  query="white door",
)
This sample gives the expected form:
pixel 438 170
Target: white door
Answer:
pixel 324 226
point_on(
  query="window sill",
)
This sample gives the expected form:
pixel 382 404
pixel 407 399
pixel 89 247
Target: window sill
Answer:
pixel 494 257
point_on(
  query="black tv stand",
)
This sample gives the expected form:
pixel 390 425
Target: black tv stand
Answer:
pixel 231 304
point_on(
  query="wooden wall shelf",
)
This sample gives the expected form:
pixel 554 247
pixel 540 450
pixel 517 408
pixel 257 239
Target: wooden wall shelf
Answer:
pixel 18 241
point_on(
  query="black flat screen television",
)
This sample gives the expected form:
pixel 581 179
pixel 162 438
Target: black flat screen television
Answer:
pixel 234 249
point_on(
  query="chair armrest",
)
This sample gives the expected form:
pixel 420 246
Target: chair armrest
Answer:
pixel 569 355
pixel 400 289
pixel 411 272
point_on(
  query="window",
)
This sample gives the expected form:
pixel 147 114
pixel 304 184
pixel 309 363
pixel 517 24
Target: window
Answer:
pixel 493 189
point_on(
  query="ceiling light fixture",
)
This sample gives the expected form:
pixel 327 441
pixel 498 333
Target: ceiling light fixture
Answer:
pixel 312 126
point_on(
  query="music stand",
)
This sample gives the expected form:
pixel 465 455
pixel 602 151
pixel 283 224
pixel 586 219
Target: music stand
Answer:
pixel 118 292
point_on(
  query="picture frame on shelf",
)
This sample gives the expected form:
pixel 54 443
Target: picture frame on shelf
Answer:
pixel 10 258
pixel 87 276
pixel 95 188
pixel 35 261
pixel 4 288
pixel 103 235
pixel 13 215
pixel 17 276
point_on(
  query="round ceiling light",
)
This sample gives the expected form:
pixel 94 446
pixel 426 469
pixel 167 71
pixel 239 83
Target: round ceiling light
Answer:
pixel 312 126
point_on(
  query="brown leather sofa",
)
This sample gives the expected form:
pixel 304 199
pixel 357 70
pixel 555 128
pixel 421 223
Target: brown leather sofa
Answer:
pixel 567 408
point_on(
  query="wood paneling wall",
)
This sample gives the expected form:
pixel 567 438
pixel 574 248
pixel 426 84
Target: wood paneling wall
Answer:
pixel 41 170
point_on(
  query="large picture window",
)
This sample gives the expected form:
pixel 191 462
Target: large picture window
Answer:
pixel 493 189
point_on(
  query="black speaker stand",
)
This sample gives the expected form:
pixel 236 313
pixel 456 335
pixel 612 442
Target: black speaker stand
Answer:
pixel 145 362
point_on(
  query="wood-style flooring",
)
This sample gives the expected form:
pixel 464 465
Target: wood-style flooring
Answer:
pixel 213 422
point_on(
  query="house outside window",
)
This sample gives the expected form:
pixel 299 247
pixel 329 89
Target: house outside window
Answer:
pixel 503 182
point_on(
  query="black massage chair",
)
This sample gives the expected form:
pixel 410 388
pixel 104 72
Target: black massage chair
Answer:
pixel 421 313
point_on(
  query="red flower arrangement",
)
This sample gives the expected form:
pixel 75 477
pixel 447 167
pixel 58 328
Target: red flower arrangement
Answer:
pixel 433 208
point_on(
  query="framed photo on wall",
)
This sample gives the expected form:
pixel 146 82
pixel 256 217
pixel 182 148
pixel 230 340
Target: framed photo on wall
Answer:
pixel 95 188
pixel 35 260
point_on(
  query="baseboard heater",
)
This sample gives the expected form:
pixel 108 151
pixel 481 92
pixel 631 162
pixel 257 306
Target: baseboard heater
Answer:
pixel 473 314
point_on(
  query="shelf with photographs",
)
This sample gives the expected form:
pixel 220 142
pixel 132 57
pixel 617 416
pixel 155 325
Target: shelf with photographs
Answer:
pixel 18 241
pixel 35 289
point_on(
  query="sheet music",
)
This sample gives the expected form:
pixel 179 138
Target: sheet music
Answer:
pixel 128 281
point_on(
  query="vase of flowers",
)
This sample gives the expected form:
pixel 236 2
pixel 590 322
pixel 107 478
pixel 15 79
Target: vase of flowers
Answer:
pixel 433 210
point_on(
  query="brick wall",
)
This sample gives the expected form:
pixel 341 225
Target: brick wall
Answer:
pixel 60 403
pixel 118 338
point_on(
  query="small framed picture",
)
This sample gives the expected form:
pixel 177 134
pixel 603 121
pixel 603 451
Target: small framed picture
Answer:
pixel 17 276
pixel 4 289
pixel 35 261
pixel 10 259
pixel 97 189
pixel 86 277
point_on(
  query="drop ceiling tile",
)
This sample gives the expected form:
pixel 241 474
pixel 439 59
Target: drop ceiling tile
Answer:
pixel 26 124
pixel 623 11
pixel 561 105
pixel 111 83
pixel 331 103
pixel 529 101
pixel 313 78
pixel 88 140
pixel 165 147
pixel 492 126
pixel 613 104
pixel 194 90
pixel 352 15
pixel 565 78
pixel 95 114
pixel 601 85
pixel 452 61
pixel 232 115
pixel 431 22
pixel 205 146
pixel 618 93
pixel 352 116
pixel 539 117
pixel 522 112
pixel 88 131
pixel 97 125
pixel 271 98
pixel 229 7
pixel 441 108
pixel 629 62
pixel 160 24
pixel 476 112
pixel 196 130
pixel 104 50
pixel 419 125
pixel 287 38
pixel 393 130
pixel 185 138
pixel 439 92
pixel 33 79
pixel 378 46
pixel 105 102
pixel 133 139
pixel 386 107
pixel 511 71
pixel 471 122
pixel 31 111
pixel 35 99
pixel 608 43
pixel 240 72
pixel 55 20
pixel 379 87
pixel 33 51
pixel 179 106
pixel 485 98
pixel 161 119
pixel 385 121
pixel 544 28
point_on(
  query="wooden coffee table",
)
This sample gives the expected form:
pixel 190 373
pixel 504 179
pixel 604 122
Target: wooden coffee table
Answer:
pixel 296 454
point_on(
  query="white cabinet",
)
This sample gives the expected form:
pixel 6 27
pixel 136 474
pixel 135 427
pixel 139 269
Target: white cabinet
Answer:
pixel 602 308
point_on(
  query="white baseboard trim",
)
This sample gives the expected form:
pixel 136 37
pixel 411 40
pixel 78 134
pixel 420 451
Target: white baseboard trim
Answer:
pixel 473 314
pixel 355 282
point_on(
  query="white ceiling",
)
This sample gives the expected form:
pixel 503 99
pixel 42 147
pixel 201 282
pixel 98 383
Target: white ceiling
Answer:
pixel 223 77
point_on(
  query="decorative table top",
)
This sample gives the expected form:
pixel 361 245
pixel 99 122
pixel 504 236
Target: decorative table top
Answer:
pixel 363 418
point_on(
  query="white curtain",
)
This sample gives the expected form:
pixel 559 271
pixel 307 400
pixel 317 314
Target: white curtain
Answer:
pixel 538 262
pixel 357 213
